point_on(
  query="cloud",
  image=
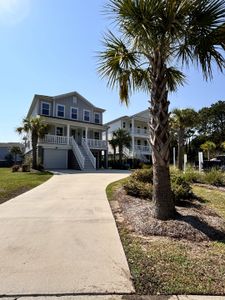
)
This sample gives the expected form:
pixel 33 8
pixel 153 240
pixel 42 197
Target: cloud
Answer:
pixel 14 11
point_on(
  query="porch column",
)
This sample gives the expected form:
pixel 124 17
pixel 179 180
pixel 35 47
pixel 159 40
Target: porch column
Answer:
pixel 68 134
pixel 132 135
pixel 86 133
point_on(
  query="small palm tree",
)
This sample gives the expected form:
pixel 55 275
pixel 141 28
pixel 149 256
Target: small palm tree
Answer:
pixel 208 147
pixel 37 129
pixel 15 150
pixel 121 138
pixel 154 38
pixel 113 143
pixel 181 121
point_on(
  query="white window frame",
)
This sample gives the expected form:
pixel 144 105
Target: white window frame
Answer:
pixel 62 130
pixel 57 105
pixel 97 113
pixel 43 102
pixel 87 110
pixel 71 108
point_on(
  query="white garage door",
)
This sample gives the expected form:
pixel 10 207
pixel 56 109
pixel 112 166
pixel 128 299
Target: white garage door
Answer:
pixel 55 159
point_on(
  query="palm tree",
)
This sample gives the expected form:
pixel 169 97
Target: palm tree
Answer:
pixel 15 150
pixel 37 129
pixel 121 139
pixel 208 147
pixel 113 144
pixel 183 120
pixel 154 37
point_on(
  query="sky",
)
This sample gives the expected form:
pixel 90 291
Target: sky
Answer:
pixel 49 47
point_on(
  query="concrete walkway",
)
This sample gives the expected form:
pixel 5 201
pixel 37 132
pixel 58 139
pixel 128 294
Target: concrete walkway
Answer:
pixel 61 239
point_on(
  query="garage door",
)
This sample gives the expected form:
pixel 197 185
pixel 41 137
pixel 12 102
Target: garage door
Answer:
pixel 55 159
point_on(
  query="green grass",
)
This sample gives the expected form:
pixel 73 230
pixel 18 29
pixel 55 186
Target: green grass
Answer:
pixel 13 184
pixel 112 187
pixel 167 266
pixel 213 198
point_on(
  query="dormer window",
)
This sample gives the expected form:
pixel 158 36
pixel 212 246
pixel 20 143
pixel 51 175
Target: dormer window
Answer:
pixel 45 108
pixel 60 110
pixel 87 115
pixel 74 113
pixel 97 118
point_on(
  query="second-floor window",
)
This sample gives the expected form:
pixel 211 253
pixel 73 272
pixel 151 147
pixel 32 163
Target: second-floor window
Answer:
pixel 124 124
pixel 87 115
pixel 74 113
pixel 60 110
pixel 97 118
pixel 45 108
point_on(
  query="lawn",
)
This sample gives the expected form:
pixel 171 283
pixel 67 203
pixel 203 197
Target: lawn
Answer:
pixel 165 265
pixel 14 184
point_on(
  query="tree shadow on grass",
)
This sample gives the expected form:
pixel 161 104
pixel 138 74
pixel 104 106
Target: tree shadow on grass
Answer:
pixel 211 232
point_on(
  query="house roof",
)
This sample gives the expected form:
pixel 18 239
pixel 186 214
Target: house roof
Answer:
pixel 140 115
pixel 53 98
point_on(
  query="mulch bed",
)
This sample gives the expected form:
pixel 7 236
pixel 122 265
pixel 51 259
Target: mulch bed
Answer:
pixel 194 222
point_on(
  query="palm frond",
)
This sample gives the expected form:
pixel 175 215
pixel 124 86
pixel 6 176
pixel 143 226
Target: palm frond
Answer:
pixel 174 78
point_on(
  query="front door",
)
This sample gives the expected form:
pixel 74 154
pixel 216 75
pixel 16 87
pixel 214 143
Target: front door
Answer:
pixel 77 134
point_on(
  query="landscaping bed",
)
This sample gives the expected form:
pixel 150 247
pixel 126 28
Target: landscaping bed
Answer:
pixel 13 184
pixel 181 256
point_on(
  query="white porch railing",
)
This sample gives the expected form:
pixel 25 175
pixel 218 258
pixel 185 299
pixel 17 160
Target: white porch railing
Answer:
pixel 126 152
pixel 139 131
pixel 54 139
pixel 89 153
pixel 142 148
pixel 96 144
pixel 76 151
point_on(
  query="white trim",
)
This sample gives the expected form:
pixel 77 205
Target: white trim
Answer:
pixel 59 127
pixel 97 113
pixel 43 102
pixel 57 105
pixel 73 107
pixel 87 110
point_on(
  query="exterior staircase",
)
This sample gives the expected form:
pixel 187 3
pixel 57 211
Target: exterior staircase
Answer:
pixel 87 161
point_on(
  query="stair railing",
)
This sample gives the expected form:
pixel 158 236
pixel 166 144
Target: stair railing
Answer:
pixel 89 153
pixel 76 151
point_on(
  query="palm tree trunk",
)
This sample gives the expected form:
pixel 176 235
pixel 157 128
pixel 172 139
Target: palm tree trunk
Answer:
pixel 34 151
pixel 163 204
pixel 180 148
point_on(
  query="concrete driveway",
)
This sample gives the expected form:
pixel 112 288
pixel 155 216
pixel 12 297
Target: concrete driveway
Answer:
pixel 60 238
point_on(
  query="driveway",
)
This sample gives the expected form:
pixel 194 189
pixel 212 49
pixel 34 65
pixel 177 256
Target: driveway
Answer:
pixel 61 238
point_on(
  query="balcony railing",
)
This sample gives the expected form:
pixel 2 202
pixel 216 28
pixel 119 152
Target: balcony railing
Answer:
pixel 54 139
pixel 142 148
pixel 96 144
pixel 139 131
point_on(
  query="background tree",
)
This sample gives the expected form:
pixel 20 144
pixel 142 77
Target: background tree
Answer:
pixel 37 129
pixel 223 146
pixel 153 37
pixel 121 139
pixel 182 121
pixel 208 147
pixel 113 144
pixel 15 150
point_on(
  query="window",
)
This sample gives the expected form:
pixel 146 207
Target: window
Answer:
pixel 45 108
pixel 60 110
pixel 124 124
pixel 146 143
pixel 74 113
pixel 130 125
pixel 97 135
pixel 59 131
pixel 97 118
pixel 84 134
pixel 138 142
pixel 86 115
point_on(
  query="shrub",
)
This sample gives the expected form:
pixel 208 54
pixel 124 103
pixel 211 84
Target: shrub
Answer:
pixel 191 175
pixel 25 168
pixel 15 168
pixel 181 189
pixel 143 175
pixel 214 177
pixel 138 189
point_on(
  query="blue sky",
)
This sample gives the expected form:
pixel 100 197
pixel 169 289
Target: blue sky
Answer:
pixel 49 47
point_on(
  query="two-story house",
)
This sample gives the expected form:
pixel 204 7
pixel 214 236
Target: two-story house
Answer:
pixel 74 139
pixel 137 126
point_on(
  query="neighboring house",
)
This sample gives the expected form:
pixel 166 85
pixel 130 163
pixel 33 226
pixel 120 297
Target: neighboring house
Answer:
pixel 5 149
pixel 75 137
pixel 137 126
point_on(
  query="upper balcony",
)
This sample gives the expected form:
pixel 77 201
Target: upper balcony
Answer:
pixel 139 131
pixel 64 140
